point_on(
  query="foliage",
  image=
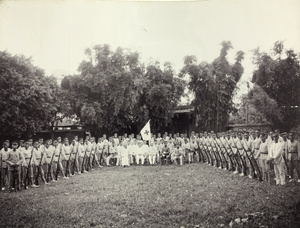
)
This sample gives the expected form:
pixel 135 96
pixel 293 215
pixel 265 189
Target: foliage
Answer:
pixel 278 74
pixel 29 99
pixel 162 94
pixel 261 108
pixel 115 91
pixel 245 108
pixel 213 85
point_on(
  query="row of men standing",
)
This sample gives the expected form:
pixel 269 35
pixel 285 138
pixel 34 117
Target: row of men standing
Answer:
pixel 250 154
pixel 253 153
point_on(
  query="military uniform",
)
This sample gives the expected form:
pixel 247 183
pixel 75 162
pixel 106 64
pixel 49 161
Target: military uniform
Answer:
pixel 293 148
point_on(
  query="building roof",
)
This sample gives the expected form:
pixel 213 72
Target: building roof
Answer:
pixel 184 109
pixel 66 122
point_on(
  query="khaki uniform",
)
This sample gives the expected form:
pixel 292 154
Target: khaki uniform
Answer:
pixel 293 149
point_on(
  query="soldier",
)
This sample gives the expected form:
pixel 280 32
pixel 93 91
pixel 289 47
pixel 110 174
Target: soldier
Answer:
pixel 111 153
pixel 223 150
pixel 178 155
pixel 14 162
pixel 255 148
pixel 86 160
pixel 262 154
pixel 39 153
pixel 293 148
pixel 116 139
pixel 106 145
pixel 247 145
pixel 4 154
pixel 74 158
pixel 193 150
pixel 81 155
pixel 159 145
pixel 125 154
pixel 165 154
pixel 159 137
pixel 285 150
pixel 118 157
pixel 99 151
pixel 219 152
pixel 56 162
pixel 27 167
pixel 94 157
pixel 153 153
pixel 240 153
pixel 66 155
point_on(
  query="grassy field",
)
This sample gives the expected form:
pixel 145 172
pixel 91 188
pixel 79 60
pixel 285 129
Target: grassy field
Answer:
pixel 195 195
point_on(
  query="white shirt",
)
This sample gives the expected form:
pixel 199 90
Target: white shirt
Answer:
pixel 276 152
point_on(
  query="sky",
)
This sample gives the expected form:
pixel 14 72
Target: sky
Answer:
pixel 56 33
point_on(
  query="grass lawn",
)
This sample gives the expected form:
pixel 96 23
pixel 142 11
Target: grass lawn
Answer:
pixel 195 195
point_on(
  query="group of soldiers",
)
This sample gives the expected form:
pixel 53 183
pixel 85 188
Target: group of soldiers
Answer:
pixel 254 154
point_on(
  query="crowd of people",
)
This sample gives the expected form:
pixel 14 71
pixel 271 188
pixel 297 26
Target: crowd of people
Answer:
pixel 253 153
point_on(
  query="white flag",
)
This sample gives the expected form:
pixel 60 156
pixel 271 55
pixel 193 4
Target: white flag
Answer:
pixel 146 132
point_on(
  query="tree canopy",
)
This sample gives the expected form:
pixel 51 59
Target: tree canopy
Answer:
pixel 278 74
pixel 29 100
pixel 213 85
pixel 258 107
pixel 115 91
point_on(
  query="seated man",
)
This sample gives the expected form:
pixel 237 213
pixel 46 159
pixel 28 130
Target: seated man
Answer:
pixel 152 153
pixel 165 154
pixel 112 153
pixel 140 153
pixel 177 155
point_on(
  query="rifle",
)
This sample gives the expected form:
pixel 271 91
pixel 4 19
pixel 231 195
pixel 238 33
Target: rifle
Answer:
pixel 251 163
pixel 221 152
pixel 94 156
pixel 39 167
pixel 218 152
pixel 82 168
pixel 75 160
pixel 233 155
pixel 227 153
pixel 286 164
pixel 50 166
pixel 242 160
pixel 285 161
pixel 201 157
pixel 217 161
pixel 28 167
pixel 57 168
pixel 209 160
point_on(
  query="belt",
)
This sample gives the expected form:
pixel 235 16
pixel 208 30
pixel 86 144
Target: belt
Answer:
pixel 56 155
pixel 67 154
pixel 294 152
pixel 48 157
pixel 256 148
pixel 38 158
pixel 264 152
pixel 240 148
